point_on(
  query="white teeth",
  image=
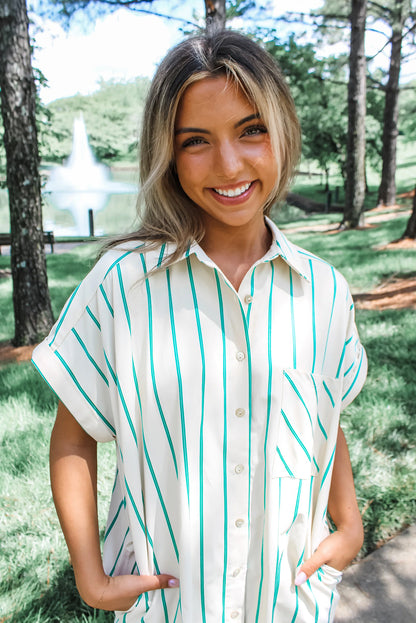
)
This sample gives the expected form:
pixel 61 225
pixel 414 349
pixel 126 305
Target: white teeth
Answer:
pixel 233 192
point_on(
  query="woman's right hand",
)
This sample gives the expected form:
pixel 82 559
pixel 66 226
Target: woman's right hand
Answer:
pixel 73 463
pixel 121 592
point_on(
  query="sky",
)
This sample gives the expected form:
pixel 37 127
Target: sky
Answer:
pixel 120 46
pixel 124 45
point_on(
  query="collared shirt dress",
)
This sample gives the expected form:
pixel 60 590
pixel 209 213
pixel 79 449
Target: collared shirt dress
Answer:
pixel 224 408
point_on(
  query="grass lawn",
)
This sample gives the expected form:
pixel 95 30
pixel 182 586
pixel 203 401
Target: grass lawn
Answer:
pixel 36 581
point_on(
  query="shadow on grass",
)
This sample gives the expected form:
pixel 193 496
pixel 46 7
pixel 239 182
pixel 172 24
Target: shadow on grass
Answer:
pixel 59 603
pixel 22 380
pixel 381 425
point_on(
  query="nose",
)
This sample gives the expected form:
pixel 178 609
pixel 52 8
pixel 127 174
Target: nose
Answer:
pixel 228 161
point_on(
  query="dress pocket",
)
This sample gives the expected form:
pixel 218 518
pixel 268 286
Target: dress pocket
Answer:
pixel 308 418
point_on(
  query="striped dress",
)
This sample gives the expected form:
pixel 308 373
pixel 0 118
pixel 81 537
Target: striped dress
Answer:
pixel 224 409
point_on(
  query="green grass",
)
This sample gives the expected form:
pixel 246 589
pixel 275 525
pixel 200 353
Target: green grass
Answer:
pixel 380 425
pixel 357 253
pixel 36 580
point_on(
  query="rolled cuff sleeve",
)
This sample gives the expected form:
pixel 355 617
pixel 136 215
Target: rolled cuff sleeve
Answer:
pixel 354 369
pixel 84 403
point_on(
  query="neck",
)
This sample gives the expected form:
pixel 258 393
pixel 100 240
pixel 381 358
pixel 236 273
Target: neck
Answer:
pixel 235 250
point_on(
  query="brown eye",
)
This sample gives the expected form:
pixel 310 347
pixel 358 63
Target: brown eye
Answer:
pixel 194 140
pixel 255 130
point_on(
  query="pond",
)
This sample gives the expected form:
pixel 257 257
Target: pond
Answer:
pixel 114 213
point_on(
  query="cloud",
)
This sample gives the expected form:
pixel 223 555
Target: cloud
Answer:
pixel 119 46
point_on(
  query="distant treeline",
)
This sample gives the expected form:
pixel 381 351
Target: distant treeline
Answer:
pixel 112 117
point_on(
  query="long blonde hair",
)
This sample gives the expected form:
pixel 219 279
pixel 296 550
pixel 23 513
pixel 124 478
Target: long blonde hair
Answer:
pixel 168 213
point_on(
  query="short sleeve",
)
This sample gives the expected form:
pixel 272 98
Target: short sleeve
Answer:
pixel 353 364
pixel 72 359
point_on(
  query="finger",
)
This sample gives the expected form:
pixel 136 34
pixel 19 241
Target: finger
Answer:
pixel 122 591
pixel 137 584
pixel 155 582
pixel 309 567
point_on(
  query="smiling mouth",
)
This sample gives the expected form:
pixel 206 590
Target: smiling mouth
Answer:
pixel 233 192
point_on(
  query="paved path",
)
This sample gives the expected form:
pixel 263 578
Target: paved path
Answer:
pixel 382 587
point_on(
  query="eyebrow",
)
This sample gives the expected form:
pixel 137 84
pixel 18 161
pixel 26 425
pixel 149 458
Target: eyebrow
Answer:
pixel 202 131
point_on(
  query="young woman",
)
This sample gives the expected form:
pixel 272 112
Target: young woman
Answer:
pixel 218 356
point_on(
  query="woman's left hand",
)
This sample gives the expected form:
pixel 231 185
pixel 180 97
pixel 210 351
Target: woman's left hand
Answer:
pixel 340 547
pixel 337 551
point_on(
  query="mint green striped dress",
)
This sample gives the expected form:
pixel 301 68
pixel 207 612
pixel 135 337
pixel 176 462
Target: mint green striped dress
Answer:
pixel 224 408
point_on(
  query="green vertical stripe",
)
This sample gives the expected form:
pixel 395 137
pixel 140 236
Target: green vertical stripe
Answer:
pixel 89 356
pixel 292 315
pixel 118 260
pixel 180 386
pixel 152 367
pixel 122 399
pixel 269 401
pixel 289 471
pixel 149 538
pixel 111 525
pixel 299 395
pixel 321 426
pixel 93 318
pixel 331 316
pixel 107 302
pixel 160 496
pixel 119 553
pixel 328 467
pixel 355 377
pixel 64 313
pixel 296 436
pixel 251 294
pixel 278 560
pixel 295 512
pixel 224 458
pixel 123 297
pixel 250 408
pixel 201 445
pixel 84 394
pixel 313 318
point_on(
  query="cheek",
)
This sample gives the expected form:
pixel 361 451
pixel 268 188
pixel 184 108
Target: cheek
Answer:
pixel 191 172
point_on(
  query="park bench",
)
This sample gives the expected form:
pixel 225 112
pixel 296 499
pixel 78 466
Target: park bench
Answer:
pixel 48 238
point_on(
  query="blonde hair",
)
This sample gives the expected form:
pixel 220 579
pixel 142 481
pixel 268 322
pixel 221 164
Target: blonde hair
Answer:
pixel 169 215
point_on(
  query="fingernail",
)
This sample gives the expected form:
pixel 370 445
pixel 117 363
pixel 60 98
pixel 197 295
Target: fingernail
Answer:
pixel 173 583
pixel 301 578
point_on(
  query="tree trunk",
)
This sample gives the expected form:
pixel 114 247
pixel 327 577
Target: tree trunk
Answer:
pixel 410 231
pixel 387 189
pixel 214 15
pixel 32 307
pixel 355 163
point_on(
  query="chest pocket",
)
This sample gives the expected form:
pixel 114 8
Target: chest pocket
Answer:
pixel 308 423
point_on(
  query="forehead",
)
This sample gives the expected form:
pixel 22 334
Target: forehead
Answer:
pixel 213 99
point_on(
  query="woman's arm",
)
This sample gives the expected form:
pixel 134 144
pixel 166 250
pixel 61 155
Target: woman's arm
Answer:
pixel 340 547
pixel 73 467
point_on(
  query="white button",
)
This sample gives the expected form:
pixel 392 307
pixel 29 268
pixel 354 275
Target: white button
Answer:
pixel 240 356
pixel 236 572
pixel 239 523
pixel 248 299
pixel 240 412
pixel 234 614
pixel 238 469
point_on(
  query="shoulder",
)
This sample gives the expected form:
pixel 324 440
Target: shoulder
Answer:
pixel 315 269
pixel 133 259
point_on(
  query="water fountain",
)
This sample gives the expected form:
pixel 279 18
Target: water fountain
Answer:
pixel 82 185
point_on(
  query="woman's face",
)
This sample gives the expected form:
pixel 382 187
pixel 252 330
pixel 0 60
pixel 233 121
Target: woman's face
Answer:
pixel 223 155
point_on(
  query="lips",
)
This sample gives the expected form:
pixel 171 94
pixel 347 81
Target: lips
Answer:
pixel 233 192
